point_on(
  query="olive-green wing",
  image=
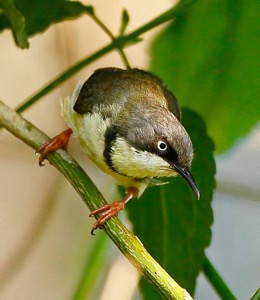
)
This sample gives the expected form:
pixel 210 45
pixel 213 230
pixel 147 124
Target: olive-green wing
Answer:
pixel 108 86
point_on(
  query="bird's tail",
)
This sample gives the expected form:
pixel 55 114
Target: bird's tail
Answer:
pixel 67 105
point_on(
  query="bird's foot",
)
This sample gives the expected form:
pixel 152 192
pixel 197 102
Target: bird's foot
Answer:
pixel 110 210
pixel 59 141
pixel 107 212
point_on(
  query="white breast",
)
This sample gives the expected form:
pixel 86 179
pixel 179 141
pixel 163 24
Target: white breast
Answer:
pixel 90 129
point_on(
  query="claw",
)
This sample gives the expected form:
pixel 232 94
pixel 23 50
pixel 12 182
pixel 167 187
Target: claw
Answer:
pixel 59 141
pixel 110 210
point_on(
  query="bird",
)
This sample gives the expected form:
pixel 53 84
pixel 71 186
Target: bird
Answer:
pixel 129 124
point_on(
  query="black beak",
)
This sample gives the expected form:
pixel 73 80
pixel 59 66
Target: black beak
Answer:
pixel 186 174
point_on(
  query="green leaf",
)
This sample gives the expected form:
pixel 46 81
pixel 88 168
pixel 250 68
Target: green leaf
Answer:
pixel 124 22
pixel 171 223
pixel 209 57
pixel 16 22
pixel 40 14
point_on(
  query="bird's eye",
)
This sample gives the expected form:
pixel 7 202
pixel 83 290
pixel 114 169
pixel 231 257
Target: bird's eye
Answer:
pixel 162 146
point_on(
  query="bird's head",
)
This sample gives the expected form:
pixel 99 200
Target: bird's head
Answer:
pixel 148 141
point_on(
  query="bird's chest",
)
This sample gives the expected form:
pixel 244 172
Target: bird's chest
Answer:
pixel 90 130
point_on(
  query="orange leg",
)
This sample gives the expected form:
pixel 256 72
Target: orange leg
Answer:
pixel 59 141
pixel 110 210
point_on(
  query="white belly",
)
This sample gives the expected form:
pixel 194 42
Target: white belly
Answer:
pixel 90 130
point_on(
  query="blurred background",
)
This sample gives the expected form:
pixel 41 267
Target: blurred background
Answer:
pixel 44 225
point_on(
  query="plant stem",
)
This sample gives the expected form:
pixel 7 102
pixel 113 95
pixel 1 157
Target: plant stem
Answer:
pixel 256 296
pixel 113 39
pixel 127 243
pixel 94 262
pixel 216 281
pixel 63 77
pixel 121 41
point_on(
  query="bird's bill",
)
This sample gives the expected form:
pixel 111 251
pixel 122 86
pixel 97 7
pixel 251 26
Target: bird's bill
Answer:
pixel 186 174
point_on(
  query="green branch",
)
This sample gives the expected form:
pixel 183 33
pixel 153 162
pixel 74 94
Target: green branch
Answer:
pixel 112 37
pixel 128 244
pixel 217 282
pixel 94 262
pixel 119 42
pixel 256 296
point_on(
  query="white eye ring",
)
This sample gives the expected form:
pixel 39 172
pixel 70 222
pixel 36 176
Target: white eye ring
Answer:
pixel 162 146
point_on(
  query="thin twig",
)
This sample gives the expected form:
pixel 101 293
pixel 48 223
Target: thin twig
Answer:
pixel 256 296
pixel 113 39
pixel 94 261
pixel 123 41
pixel 216 281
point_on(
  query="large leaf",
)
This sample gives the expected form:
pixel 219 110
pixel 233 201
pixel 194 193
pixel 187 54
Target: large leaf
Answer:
pixel 172 224
pixel 209 57
pixel 40 14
